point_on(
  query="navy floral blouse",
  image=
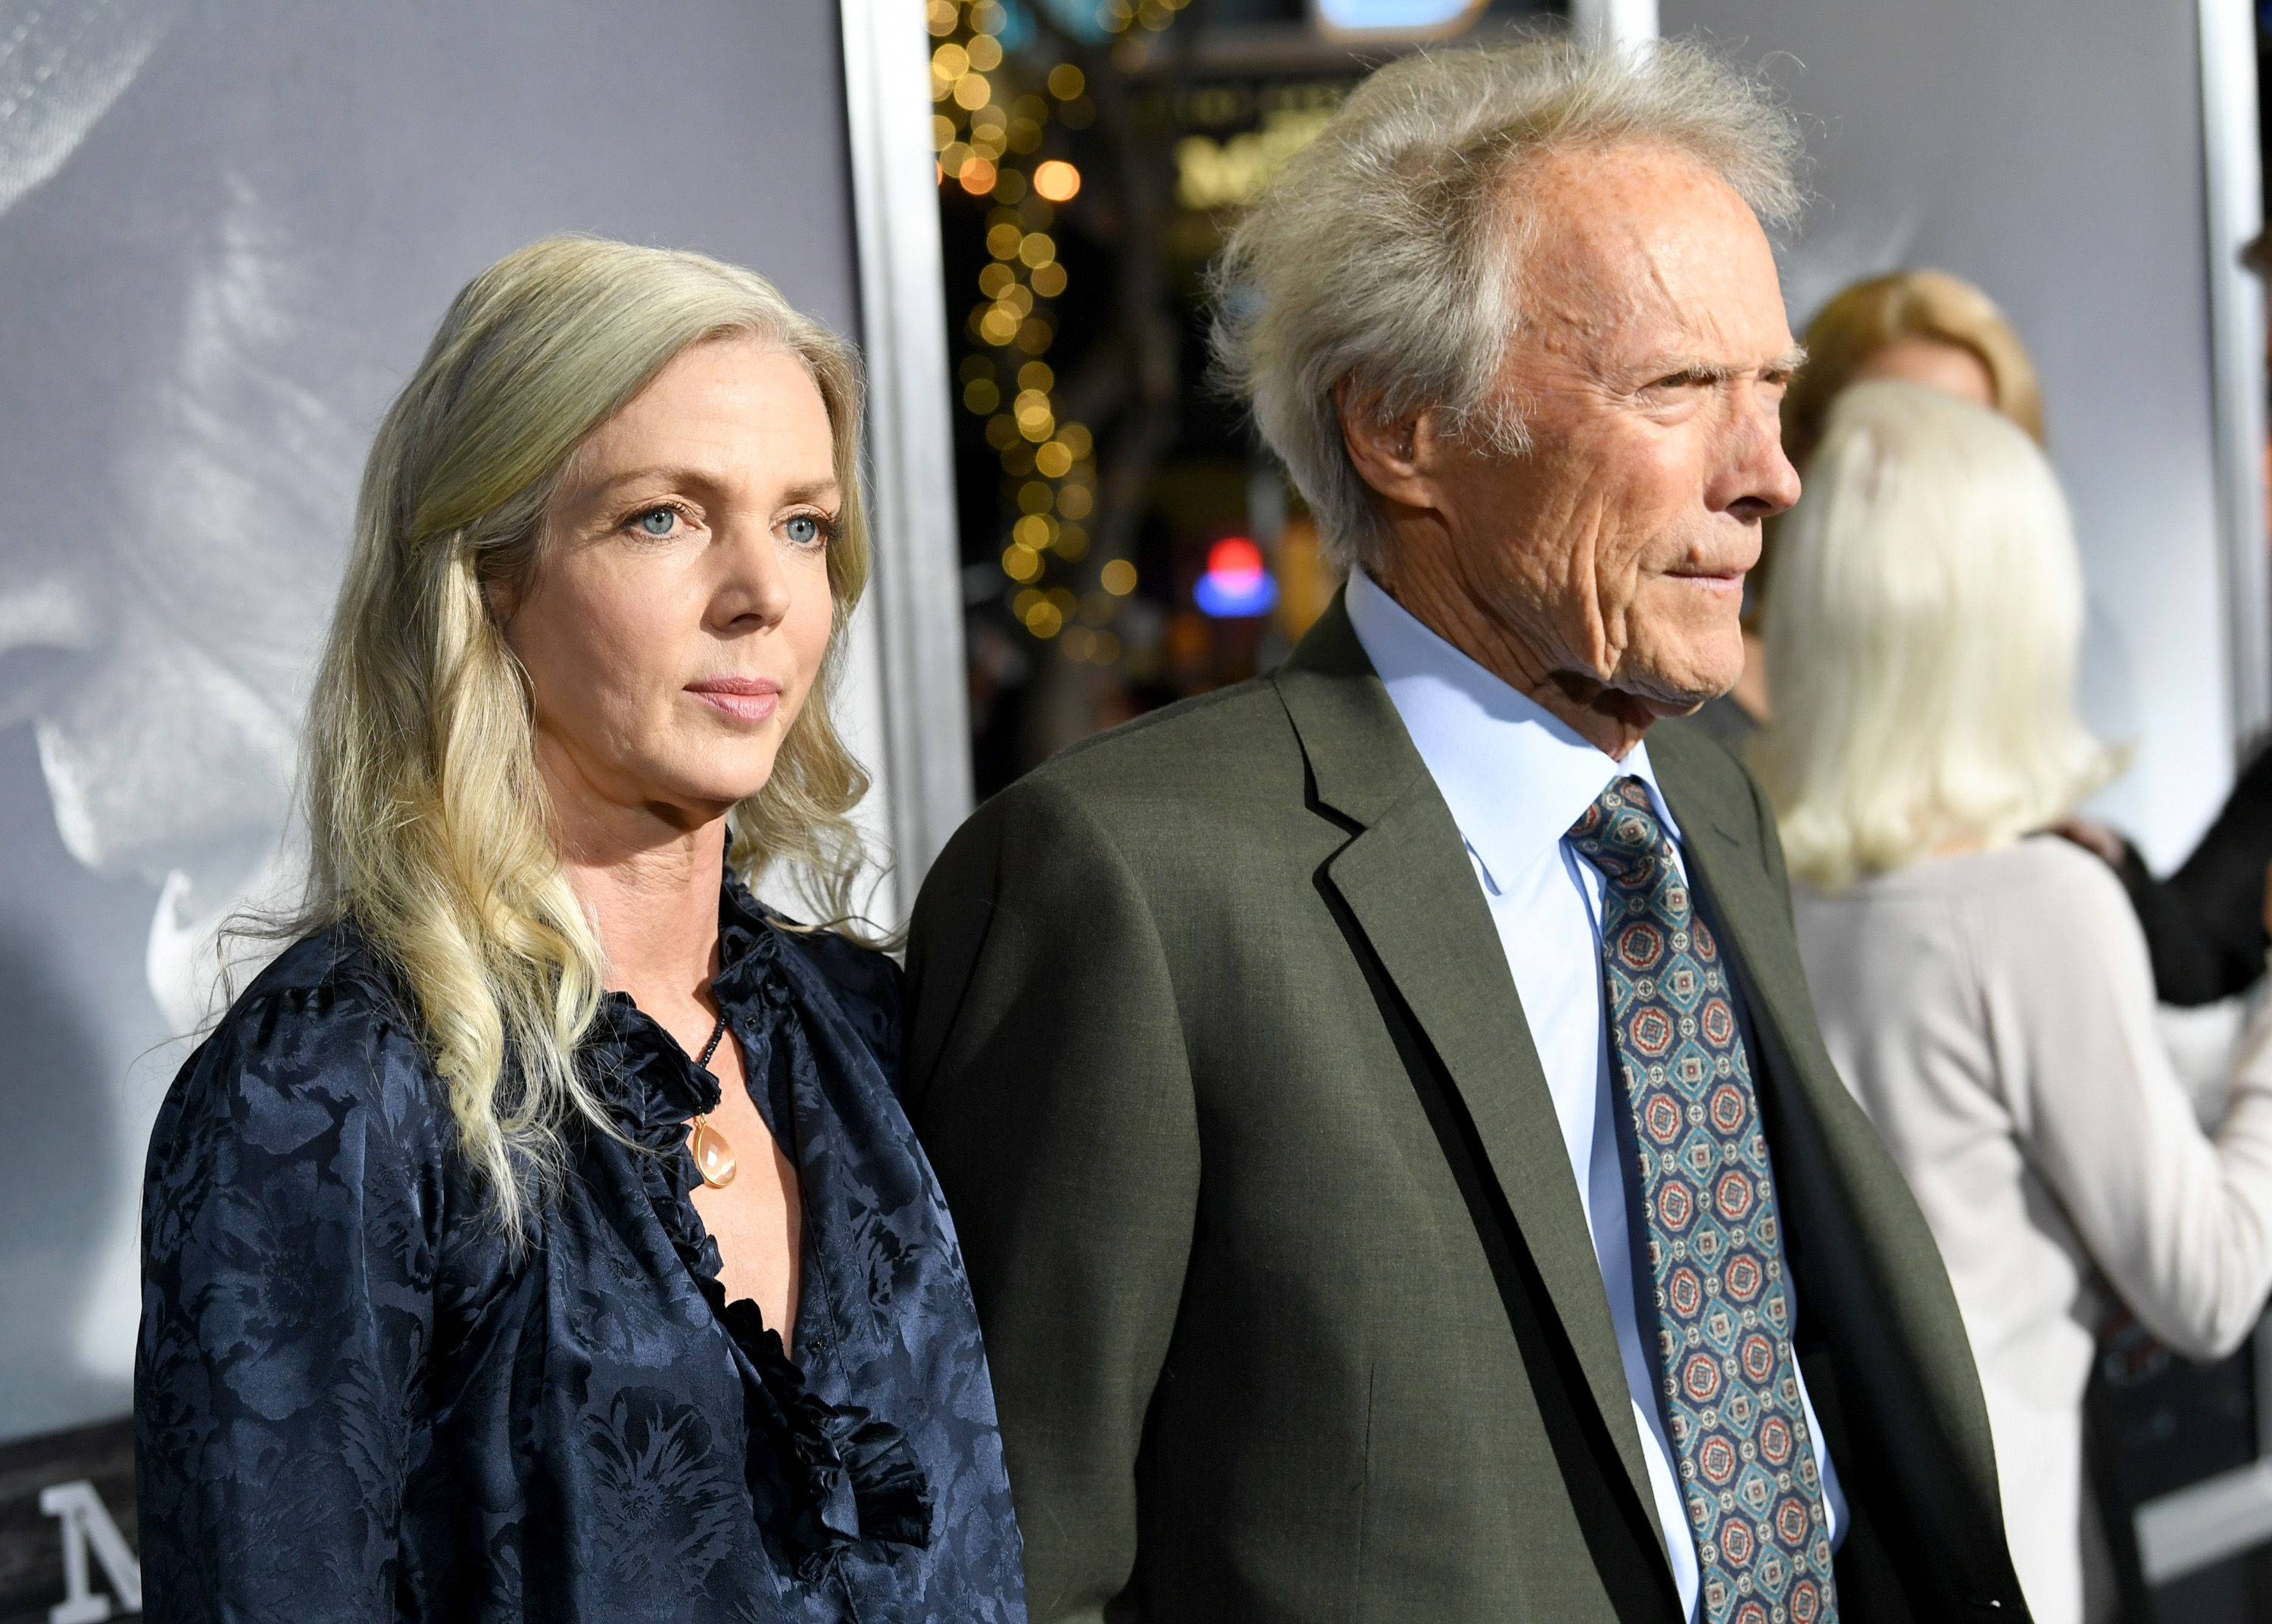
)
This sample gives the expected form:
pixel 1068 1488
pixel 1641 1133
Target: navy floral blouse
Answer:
pixel 353 1401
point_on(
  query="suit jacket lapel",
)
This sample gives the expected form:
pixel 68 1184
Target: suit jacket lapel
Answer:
pixel 1407 880
pixel 1722 852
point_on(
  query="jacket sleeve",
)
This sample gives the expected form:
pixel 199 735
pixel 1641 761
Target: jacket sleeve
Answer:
pixel 287 1308
pixel 1048 1080
pixel 2204 925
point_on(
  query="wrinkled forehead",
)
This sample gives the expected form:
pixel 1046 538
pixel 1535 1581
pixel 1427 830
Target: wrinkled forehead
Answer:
pixel 1639 236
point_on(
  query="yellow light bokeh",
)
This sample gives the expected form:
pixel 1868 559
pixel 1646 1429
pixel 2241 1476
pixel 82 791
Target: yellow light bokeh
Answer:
pixel 1072 542
pixel 1077 441
pixel 1001 240
pixel 997 326
pixel 1032 404
pixel 988 17
pixel 1066 81
pixel 997 280
pixel 980 396
pixel 942 132
pixel 1001 432
pixel 972 91
pixel 1052 459
pixel 1037 375
pixel 1044 619
pixel 1049 279
pixel 1020 562
pixel 985 52
pixel 1009 186
pixel 1117 578
pixel 943 16
pixel 1073 501
pixel 1034 334
pixel 1035 497
pixel 1058 181
pixel 1022 605
pixel 951 61
pixel 976 175
pixel 1037 249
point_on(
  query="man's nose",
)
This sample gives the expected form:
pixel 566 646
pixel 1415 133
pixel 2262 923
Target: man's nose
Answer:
pixel 1761 481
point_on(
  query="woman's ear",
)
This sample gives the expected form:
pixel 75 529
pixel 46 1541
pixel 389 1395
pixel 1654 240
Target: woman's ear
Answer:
pixel 501 594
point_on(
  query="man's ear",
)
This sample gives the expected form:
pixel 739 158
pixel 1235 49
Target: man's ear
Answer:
pixel 1390 453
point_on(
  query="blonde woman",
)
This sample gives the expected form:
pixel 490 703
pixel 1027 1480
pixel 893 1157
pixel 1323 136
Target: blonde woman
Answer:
pixel 1923 326
pixel 1985 989
pixel 540 1235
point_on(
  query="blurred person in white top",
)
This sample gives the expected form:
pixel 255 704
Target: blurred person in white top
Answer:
pixel 1982 988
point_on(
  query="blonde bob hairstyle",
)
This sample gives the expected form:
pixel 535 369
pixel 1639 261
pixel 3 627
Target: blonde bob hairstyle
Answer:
pixel 1922 640
pixel 429 826
pixel 1873 315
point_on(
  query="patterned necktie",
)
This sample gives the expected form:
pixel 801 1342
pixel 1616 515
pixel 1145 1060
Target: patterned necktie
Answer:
pixel 1729 1381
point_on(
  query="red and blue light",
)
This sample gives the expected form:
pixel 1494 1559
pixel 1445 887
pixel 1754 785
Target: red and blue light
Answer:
pixel 1235 585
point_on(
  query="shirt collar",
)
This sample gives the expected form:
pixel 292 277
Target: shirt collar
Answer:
pixel 1514 775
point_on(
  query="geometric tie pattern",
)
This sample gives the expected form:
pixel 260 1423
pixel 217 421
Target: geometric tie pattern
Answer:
pixel 1730 1384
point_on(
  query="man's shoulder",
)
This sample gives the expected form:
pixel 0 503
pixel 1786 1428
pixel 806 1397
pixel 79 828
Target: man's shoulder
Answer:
pixel 1171 791
pixel 1216 748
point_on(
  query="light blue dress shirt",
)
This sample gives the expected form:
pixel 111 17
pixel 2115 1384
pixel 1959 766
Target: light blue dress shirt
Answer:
pixel 1515 779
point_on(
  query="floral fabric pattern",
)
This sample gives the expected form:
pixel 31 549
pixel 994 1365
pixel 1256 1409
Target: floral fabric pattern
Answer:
pixel 353 1401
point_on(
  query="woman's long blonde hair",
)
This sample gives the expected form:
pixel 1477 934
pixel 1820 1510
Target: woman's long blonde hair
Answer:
pixel 1923 641
pixel 430 827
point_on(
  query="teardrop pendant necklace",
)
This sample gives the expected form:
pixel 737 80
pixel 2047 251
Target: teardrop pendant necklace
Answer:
pixel 714 1158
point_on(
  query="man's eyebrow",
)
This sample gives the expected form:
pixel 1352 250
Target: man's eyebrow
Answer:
pixel 1696 370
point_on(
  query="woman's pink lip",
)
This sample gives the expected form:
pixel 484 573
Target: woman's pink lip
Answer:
pixel 745 699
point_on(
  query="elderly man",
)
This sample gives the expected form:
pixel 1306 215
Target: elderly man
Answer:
pixel 1398 1168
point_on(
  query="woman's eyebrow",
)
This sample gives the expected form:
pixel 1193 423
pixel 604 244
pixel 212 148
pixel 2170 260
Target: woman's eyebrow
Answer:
pixel 808 490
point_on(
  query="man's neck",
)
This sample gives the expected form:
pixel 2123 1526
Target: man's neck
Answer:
pixel 1610 722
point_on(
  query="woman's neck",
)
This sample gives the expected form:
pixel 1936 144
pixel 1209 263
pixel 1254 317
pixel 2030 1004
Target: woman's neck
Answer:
pixel 657 915
pixel 651 886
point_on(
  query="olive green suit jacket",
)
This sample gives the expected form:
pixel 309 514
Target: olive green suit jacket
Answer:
pixel 1291 1307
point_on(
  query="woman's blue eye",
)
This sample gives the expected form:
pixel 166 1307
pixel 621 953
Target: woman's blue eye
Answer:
pixel 804 530
pixel 657 521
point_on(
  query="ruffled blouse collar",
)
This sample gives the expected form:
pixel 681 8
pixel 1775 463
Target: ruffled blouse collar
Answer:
pixel 835 1473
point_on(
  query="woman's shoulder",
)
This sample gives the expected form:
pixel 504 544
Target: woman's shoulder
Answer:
pixel 2042 872
pixel 2048 910
pixel 861 983
pixel 321 1034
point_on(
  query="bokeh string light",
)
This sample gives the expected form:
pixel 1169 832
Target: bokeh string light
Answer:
pixel 994 118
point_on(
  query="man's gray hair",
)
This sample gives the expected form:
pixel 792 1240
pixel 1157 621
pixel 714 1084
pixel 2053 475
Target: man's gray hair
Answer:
pixel 1383 254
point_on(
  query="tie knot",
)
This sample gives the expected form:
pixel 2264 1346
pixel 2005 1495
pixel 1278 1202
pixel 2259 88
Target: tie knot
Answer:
pixel 1620 835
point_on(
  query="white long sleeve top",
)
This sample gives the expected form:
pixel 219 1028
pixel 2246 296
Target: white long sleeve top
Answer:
pixel 1994 1014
